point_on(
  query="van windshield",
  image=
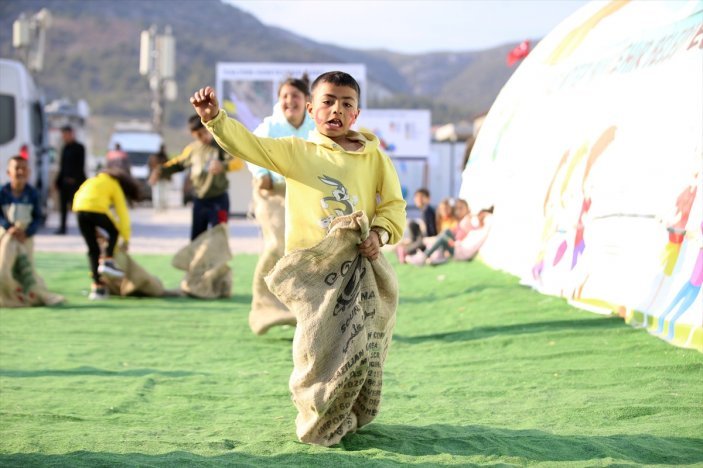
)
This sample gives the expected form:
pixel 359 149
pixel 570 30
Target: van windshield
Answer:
pixel 138 158
pixel 7 117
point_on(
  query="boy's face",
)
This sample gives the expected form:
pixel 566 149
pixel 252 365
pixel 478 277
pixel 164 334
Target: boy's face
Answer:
pixel 334 109
pixel 420 200
pixel 202 135
pixel 18 172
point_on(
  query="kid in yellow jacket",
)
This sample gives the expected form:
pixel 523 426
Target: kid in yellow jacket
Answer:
pixel 111 189
pixel 336 172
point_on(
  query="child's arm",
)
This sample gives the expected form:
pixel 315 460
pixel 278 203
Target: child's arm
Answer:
pixel 273 154
pixel 4 222
pixel 178 163
pixel 390 212
pixel 36 215
pixel 120 203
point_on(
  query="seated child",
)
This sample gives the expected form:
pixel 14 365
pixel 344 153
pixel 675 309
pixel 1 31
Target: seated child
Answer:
pixel 418 229
pixel 446 216
pixel 112 188
pixel 444 243
pixel 468 247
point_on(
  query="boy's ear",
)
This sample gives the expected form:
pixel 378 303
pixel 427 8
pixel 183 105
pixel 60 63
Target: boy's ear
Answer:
pixel 356 115
pixel 308 107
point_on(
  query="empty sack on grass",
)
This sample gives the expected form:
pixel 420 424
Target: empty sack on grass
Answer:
pixel 206 263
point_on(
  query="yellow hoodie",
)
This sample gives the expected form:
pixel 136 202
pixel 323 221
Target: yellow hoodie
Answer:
pixel 323 180
pixel 97 194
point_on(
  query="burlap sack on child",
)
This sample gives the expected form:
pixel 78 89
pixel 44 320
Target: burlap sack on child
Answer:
pixel 266 310
pixel 20 285
pixel 205 261
pixel 136 281
pixel 345 306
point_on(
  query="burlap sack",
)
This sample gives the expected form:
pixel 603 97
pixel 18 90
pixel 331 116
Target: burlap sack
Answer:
pixel 205 261
pixel 266 310
pixel 345 306
pixel 136 281
pixel 20 285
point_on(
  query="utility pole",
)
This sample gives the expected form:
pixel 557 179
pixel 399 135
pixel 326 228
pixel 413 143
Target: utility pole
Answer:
pixel 29 38
pixel 157 61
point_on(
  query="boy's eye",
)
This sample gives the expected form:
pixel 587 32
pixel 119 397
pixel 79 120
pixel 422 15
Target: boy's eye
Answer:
pixel 347 105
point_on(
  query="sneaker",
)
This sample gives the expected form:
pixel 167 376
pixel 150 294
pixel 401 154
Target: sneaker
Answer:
pixel 98 292
pixel 417 259
pixel 108 268
pixel 437 260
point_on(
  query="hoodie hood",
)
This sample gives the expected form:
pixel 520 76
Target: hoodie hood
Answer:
pixel 370 141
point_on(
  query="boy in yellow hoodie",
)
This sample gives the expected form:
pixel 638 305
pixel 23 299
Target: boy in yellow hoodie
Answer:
pixel 335 172
pixel 93 204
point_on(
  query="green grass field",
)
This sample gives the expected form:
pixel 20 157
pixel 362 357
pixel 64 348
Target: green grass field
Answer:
pixel 481 371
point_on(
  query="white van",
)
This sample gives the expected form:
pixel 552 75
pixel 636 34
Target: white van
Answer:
pixel 139 142
pixel 22 124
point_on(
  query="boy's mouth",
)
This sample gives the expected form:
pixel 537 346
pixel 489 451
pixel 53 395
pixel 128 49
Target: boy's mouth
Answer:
pixel 334 123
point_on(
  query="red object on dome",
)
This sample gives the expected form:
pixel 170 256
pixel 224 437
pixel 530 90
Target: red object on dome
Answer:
pixel 518 53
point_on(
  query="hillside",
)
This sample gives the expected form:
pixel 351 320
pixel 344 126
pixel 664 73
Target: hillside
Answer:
pixel 93 49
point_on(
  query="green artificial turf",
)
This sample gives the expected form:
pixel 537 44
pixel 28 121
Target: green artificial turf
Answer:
pixel 481 371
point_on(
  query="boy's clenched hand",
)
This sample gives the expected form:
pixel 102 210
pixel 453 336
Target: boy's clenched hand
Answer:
pixel 205 103
pixel 371 247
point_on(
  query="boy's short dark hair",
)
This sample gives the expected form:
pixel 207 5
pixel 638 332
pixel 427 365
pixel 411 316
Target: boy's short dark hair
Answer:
pixel 66 128
pixel 423 191
pixel 194 123
pixel 16 157
pixel 338 78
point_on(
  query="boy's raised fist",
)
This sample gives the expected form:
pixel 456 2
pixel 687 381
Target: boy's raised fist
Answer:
pixel 205 103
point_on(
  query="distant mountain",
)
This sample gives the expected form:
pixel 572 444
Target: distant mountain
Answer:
pixel 93 54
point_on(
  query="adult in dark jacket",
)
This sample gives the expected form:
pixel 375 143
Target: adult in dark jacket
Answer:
pixel 71 173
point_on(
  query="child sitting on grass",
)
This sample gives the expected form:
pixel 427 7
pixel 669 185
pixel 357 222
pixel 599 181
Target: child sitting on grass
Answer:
pixel 112 188
pixel 444 243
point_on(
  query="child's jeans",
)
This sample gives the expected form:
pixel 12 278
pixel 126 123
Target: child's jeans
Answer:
pixel 209 212
pixel 87 223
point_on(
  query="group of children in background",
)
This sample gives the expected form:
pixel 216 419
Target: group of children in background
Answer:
pixel 102 201
pixel 453 231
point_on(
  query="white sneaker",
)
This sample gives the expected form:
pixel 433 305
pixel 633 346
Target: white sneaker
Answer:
pixel 98 293
pixel 108 268
pixel 417 259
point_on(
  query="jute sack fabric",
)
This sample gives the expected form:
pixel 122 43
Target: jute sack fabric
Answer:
pixel 20 285
pixel 345 306
pixel 266 310
pixel 205 261
pixel 136 281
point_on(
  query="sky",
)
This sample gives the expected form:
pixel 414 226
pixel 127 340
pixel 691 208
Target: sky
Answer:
pixel 414 26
